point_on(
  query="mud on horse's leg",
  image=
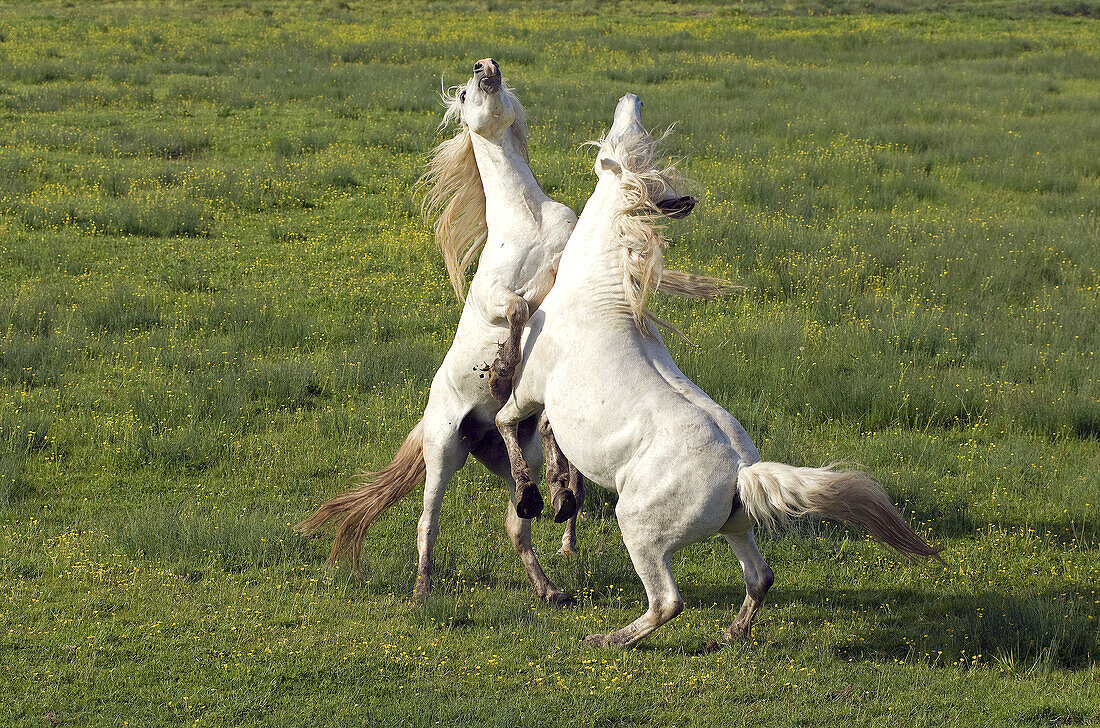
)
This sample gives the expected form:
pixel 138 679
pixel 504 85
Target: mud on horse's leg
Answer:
pixel 569 537
pixel 501 374
pixel 503 369
pixel 528 499
pixel 758 579
pixel 560 476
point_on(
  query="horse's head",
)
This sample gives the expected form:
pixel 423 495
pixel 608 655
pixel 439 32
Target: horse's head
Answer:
pixel 629 149
pixel 484 104
pixel 637 190
pixel 454 196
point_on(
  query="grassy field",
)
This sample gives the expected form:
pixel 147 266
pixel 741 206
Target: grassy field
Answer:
pixel 218 301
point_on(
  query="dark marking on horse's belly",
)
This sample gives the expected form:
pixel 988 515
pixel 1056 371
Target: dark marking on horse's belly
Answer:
pixel 487 445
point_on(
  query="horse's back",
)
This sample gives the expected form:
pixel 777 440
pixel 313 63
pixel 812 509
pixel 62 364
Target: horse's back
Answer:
pixel 730 426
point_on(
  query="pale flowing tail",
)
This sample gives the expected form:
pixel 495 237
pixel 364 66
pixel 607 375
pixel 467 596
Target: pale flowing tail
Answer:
pixel 773 493
pixel 375 492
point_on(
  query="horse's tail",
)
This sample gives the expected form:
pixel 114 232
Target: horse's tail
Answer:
pixel 694 285
pixel 374 493
pixel 773 493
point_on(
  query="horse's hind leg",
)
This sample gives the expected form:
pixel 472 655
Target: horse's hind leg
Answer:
pixel 652 562
pixel 489 451
pixel 758 575
pixel 563 495
pixel 569 537
pixel 444 454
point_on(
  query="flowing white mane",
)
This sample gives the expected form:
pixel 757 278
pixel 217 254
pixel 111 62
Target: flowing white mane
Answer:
pixel 643 183
pixel 454 197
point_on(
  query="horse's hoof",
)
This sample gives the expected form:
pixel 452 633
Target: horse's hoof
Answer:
pixel 561 599
pixel 737 632
pixel 529 502
pixel 565 506
pixel 566 551
pixel 596 640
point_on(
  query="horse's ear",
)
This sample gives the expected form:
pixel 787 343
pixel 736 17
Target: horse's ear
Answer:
pixel 677 207
pixel 607 164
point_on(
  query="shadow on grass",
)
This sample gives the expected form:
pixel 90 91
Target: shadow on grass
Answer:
pixel 1053 629
pixel 952 519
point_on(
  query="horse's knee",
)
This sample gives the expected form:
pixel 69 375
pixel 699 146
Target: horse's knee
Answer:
pixel 518 310
pixel 507 421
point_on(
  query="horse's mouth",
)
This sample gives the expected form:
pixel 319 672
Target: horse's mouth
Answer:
pixel 490 84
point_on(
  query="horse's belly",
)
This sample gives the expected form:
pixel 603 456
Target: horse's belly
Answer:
pixel 591 456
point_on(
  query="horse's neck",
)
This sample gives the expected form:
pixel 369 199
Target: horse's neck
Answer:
pixel 591 267
pixel 512 194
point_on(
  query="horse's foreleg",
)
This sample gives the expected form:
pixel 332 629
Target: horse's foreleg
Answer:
pixel 503 369
pixel 528 500
pixel 442 459
pixel 569 537
pixel 758 577
pixel 652 562
pixel 563 497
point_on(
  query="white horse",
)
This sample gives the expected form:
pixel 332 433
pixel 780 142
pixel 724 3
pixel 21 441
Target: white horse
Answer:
pixel 627 417
pixel 484 197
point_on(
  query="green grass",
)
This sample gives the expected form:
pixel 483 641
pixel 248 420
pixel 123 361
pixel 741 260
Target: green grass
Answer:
pixel 218 302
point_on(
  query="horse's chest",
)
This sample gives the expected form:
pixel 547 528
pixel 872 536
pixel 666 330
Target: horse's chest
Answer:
pixel 524 269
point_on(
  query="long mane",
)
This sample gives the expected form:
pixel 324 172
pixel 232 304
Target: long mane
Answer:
pixel 454 196
pixel 635 226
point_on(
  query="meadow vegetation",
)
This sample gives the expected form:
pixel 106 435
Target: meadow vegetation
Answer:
pixel 218 301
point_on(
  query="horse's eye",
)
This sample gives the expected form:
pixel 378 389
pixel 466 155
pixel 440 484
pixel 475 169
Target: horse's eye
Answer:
pixel 462 96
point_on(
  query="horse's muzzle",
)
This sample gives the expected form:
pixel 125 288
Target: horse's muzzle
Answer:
pixel 487 73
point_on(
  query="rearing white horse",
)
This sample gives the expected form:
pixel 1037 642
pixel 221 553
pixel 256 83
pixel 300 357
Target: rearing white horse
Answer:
pixel 628 418
pixel 485 199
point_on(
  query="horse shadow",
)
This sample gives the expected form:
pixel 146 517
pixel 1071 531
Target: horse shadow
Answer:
pixel 954 520
pixel 1054 626
pixel 1048 629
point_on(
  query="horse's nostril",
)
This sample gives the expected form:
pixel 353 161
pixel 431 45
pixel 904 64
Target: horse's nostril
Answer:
pixel 477 66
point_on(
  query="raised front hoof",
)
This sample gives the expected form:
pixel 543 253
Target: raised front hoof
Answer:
pixel 560 599
pixel 528 501
pixel 565 506
pixel 500 385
